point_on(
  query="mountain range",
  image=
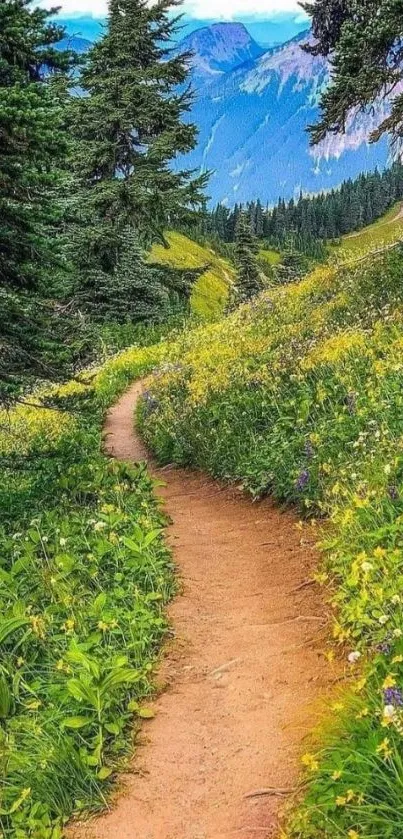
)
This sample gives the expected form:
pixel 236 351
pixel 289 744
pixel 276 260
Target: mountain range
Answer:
pixel 253 106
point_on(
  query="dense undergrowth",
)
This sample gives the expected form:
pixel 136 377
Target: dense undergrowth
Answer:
pixel 84 574
pixel 300 395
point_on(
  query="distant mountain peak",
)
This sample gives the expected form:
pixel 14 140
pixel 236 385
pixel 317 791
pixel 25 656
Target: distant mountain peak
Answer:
pixel 220 48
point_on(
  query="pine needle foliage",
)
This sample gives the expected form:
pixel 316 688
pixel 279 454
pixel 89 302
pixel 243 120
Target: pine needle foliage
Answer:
pixel 364 40
pixel 33 90
pixel 249 281
pixel 129 128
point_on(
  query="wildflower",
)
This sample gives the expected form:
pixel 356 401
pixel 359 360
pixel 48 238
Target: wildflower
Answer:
pixel 366 566
pixel 383 648
pixel 63 542
pixel 38 625
pixel 352 834
pixel 389 712
pixel 354 657
pixel 68 625
pixel 383 619
pixel 302 480
pixel 363 713
pixel 384 748
pixel 397 633
pixel 393 696
pixel 379 552
pixel 99 525
pixel 310 761
pixel 337 775
pixel 341 801
pixel 389 681
pixel 396 599
pixel 20 661
pixel 393 493
pixel 103 626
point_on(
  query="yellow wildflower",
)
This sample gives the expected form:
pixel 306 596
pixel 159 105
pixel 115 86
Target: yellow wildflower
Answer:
pixel 341 801
pixel 384 748
pixel 390 681
pixel 310 761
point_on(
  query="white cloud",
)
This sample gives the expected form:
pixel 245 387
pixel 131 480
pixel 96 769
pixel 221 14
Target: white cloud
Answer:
pixel 200 9
pixel 231 9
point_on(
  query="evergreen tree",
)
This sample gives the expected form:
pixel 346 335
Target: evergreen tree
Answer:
pixel 317 219
pixel 249 280
pixel 129 129
pixel 365 41
pixel 135 290
pixel 32 140
pixel 32 152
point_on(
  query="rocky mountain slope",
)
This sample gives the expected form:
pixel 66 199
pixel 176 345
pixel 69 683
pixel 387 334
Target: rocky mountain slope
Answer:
pixel 218 49
pixel 253 119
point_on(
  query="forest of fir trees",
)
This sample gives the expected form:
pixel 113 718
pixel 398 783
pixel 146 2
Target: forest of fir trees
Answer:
pixel 312 219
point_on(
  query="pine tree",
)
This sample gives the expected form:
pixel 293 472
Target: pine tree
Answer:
pixel 32 140
pixel 32 151
pixel 135 290
pixel 249 280
pixel 129 128
pixel 364 40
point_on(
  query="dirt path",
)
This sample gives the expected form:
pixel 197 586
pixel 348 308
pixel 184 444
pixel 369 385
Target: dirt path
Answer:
pixel 244 672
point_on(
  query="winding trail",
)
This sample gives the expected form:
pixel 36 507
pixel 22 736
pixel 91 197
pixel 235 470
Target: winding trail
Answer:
pixel 244 672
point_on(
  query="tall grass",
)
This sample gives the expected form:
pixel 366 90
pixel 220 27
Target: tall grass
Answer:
pixel 84 576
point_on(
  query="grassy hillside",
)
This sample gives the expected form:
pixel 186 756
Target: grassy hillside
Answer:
pixel 301 395
pixel 211 290
pixel 269 257
pixel 386 231
pixel 84 573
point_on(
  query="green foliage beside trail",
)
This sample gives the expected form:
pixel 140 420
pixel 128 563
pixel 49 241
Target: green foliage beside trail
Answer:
pixel 84 574
pixel 300 395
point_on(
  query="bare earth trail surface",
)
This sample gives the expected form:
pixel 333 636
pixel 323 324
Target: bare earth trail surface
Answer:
pixel 244 672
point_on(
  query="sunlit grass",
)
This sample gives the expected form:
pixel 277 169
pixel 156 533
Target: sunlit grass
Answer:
pixel 386 231
pixel 210 292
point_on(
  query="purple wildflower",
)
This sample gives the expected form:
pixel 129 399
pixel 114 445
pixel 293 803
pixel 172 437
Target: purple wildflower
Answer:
pixel 351 402
pixel 393 696
pixel 393 493
pixel 150 402
pixel 384 648
pixel 302 480
pixel 309 450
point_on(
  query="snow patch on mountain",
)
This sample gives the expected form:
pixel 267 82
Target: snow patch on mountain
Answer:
pixel 253 118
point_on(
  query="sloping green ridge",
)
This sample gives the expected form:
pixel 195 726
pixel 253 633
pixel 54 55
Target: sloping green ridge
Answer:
pixel 211 290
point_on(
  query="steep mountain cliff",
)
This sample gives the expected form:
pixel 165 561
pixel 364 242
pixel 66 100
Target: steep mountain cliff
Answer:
pixel 218 49
pixel 253 119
